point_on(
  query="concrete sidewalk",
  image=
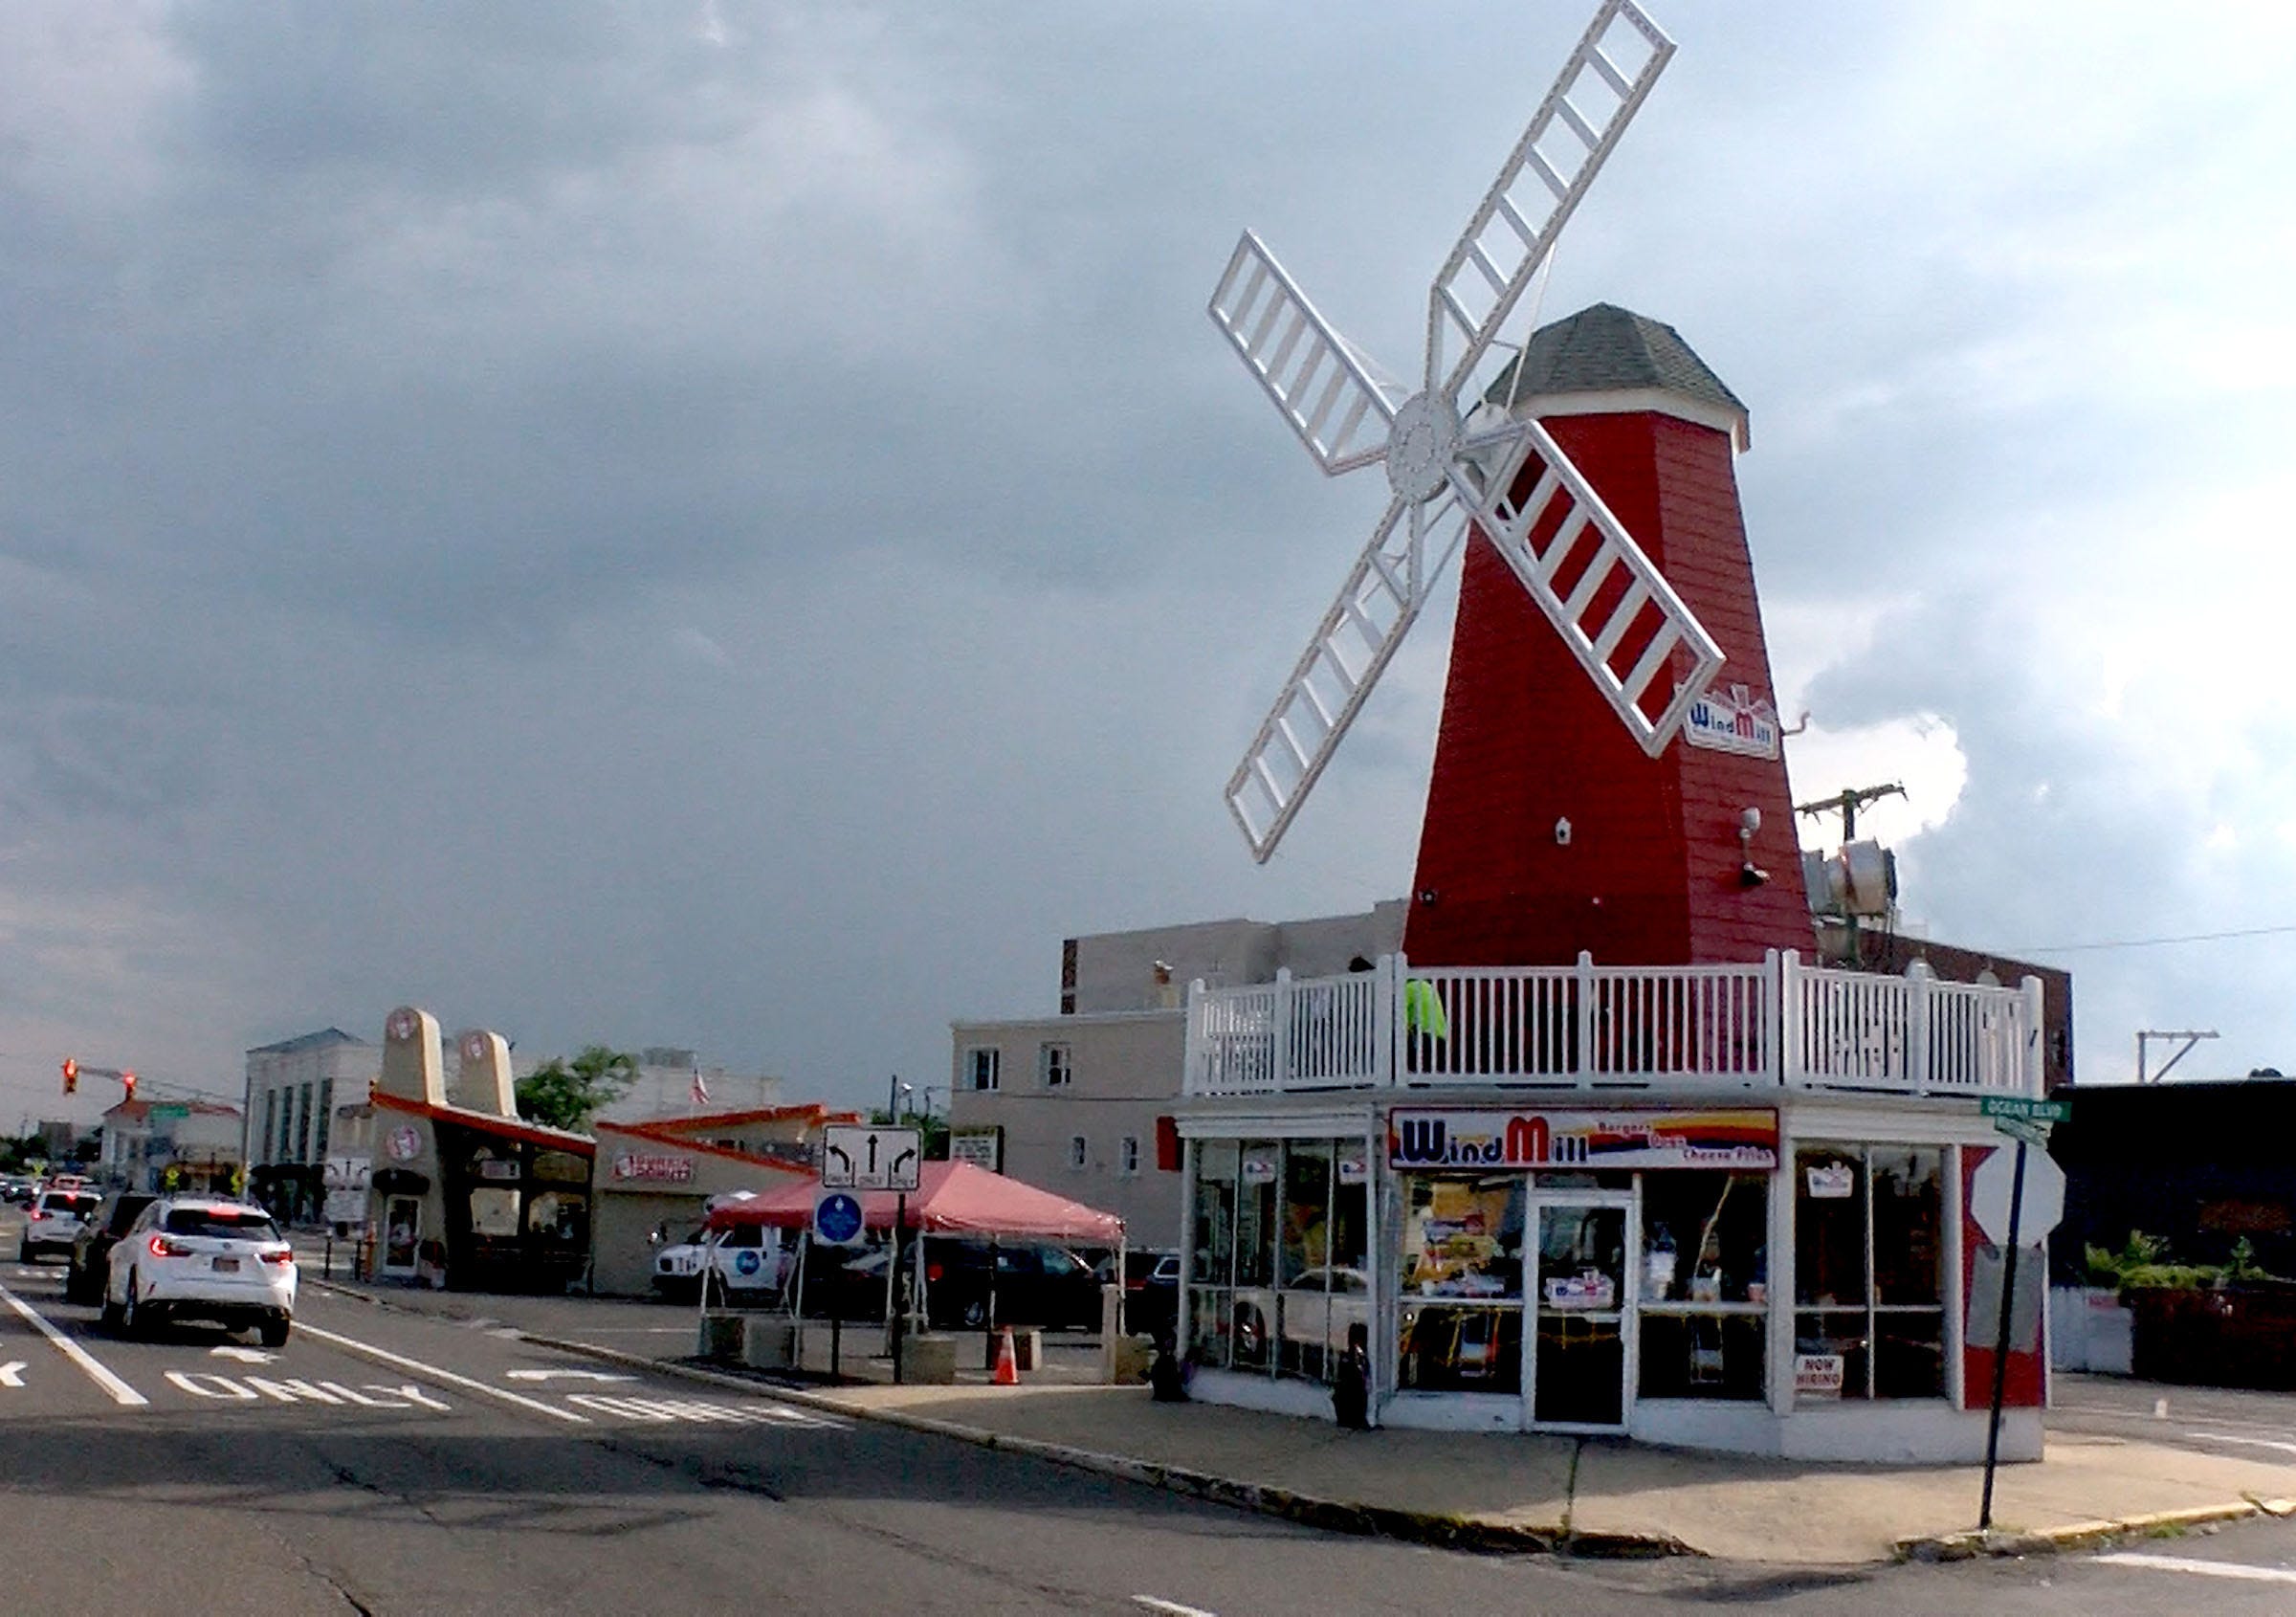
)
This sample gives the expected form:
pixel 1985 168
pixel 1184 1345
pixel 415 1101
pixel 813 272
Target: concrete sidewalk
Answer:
pixel 1521 1491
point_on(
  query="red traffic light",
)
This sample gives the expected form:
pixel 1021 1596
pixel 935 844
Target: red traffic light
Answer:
pixel 71 1076
pixel 129 1080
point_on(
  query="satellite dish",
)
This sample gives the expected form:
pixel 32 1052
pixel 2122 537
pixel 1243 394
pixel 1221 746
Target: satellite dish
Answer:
pixel 1456 458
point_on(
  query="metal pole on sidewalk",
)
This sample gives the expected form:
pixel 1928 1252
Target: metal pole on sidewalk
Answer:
pixel 900 1226
pixel 2000 1350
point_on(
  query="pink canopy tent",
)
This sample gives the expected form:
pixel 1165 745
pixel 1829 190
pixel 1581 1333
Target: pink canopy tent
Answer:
pixel 951 1199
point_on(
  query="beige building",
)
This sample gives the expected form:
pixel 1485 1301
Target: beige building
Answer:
pixel 1081 1104
pixel 159 1144
pixel 654 1178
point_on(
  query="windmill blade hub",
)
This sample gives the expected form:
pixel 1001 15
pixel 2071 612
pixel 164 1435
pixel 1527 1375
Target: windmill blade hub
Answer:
pixel 1420 447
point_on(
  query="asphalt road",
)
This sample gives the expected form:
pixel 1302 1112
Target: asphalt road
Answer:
pixel 393 1463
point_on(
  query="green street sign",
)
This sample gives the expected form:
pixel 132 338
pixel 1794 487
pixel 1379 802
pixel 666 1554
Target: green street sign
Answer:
pixel 2019 1106
pixel 2026 1129
pixel 165 1109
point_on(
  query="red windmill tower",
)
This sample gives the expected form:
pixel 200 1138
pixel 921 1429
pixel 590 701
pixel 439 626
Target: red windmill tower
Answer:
pixel 1596 786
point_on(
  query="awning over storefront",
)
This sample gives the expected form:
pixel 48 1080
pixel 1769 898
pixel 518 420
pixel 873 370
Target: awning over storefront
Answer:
pixel 951 1199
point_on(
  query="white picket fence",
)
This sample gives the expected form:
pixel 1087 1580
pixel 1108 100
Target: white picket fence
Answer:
pixel 1605 1028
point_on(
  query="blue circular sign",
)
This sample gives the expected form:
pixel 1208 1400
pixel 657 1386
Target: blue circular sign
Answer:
pixel 837 1218
pixel 747 1260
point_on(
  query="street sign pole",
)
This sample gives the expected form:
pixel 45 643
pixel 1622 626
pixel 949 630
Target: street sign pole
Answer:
pixel 2001 1349
pixel 900 1226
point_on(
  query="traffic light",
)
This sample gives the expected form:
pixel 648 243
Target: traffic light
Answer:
pixel 129 1080
pixel 71 1076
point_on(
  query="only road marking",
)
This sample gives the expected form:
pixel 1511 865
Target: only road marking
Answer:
pixel 120 1393
pixel 401 1362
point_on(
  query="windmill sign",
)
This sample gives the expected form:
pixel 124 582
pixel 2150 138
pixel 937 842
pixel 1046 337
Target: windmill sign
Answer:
pixel 1454 460
pixel 1583 474
pixel 861 1157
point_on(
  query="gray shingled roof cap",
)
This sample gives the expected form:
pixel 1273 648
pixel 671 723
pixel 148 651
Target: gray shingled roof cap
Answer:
pixel 1607 349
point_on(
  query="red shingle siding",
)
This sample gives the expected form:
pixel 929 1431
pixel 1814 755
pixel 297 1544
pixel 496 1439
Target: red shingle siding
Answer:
pixel 1650 875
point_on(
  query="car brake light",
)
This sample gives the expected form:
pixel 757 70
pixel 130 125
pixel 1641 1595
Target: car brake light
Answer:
pixel 162 1247
pixel 932 1273
pixel 283 1256
pixel 35 1216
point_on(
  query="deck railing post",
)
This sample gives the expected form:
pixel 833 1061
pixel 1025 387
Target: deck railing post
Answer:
pixel 1279 1063
pixel 1792 985
pixel 1919 1004
pixel 1386 998
pixel 2032 1046
pixel 1586 1063
pixel 1195 1065
pixel 1768 1062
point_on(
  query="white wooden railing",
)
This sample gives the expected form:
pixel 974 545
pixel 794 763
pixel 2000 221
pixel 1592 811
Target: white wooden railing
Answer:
pixel 1598 1027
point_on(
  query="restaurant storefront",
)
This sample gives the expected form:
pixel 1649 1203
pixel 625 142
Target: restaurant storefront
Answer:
pixel 1791 1279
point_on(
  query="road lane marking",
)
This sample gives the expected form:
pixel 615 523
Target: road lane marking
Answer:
pixel 416 1366
pixel 121 1394
pixel 1171 1607
pixel 567 1375
pixel 2280 1444
pixel 245 1354
pixel 11 1373
pixel 2202 1568
pixel 701 1411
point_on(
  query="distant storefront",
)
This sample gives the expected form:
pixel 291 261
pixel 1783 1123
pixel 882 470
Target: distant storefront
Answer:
pixel 461 1192
pixel 656 1177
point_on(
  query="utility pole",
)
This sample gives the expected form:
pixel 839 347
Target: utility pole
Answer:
pixel 2146 1035
pixel 1846 803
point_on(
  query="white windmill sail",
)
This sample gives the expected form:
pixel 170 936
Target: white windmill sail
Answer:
pixel 1447 468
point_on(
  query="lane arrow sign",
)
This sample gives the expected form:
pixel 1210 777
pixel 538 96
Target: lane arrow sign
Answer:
pixel 11 1373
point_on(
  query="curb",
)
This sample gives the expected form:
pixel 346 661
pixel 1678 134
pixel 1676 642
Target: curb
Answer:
pixel 1332 1515
pixel 2083 1535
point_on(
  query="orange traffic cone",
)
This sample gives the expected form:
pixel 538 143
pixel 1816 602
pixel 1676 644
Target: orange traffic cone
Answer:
pixel 1009 1367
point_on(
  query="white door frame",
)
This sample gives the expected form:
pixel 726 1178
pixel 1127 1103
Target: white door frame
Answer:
pixel 1534 1201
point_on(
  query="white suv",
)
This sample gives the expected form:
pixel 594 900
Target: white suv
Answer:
pixel 53 1221
pixel 202 1257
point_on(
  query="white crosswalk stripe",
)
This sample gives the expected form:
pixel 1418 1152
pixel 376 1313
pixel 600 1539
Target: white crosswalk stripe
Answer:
pixel 2199 1568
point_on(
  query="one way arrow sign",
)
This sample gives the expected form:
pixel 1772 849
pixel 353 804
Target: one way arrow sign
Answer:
pixel 860 1157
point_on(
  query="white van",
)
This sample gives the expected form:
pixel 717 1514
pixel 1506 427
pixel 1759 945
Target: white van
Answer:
pixel 749 1261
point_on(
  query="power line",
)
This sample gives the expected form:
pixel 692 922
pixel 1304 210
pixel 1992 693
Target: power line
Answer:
pixel 2154 942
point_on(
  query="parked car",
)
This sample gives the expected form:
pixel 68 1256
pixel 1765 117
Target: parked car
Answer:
pixel 17 1188
pixel 1035 1285
pixel 53 1222
pixel 1151 1289
pixel 202 1257
pixel 99 1234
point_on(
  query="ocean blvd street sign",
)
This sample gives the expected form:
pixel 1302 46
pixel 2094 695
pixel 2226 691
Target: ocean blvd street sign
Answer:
pixel 2019 1106
pixel 1736 1138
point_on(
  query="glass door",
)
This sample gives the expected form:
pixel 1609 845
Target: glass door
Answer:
pixel 1580 1310
pixel 401 1234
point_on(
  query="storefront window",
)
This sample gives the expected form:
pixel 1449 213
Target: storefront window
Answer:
pixel 1211 1264
pixel 1460 1283
pixel 1705 1284
pixel 1281 1238
pixel 494 1210
pixel 1869 1271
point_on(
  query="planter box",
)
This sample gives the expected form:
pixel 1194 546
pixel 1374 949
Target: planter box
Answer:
pixel 720 1337
pixel 768 1341
pixel 929 1360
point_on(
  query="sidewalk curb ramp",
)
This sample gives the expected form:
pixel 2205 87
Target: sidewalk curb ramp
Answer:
pixel 2085 1535
pixel 1332 1515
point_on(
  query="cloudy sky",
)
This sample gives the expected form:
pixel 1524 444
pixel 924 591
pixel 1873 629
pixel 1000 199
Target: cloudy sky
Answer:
pixel 728 525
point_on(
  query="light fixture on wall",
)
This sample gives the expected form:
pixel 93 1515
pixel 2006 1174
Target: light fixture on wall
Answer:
pixel 1562 833
pixel 1749 873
